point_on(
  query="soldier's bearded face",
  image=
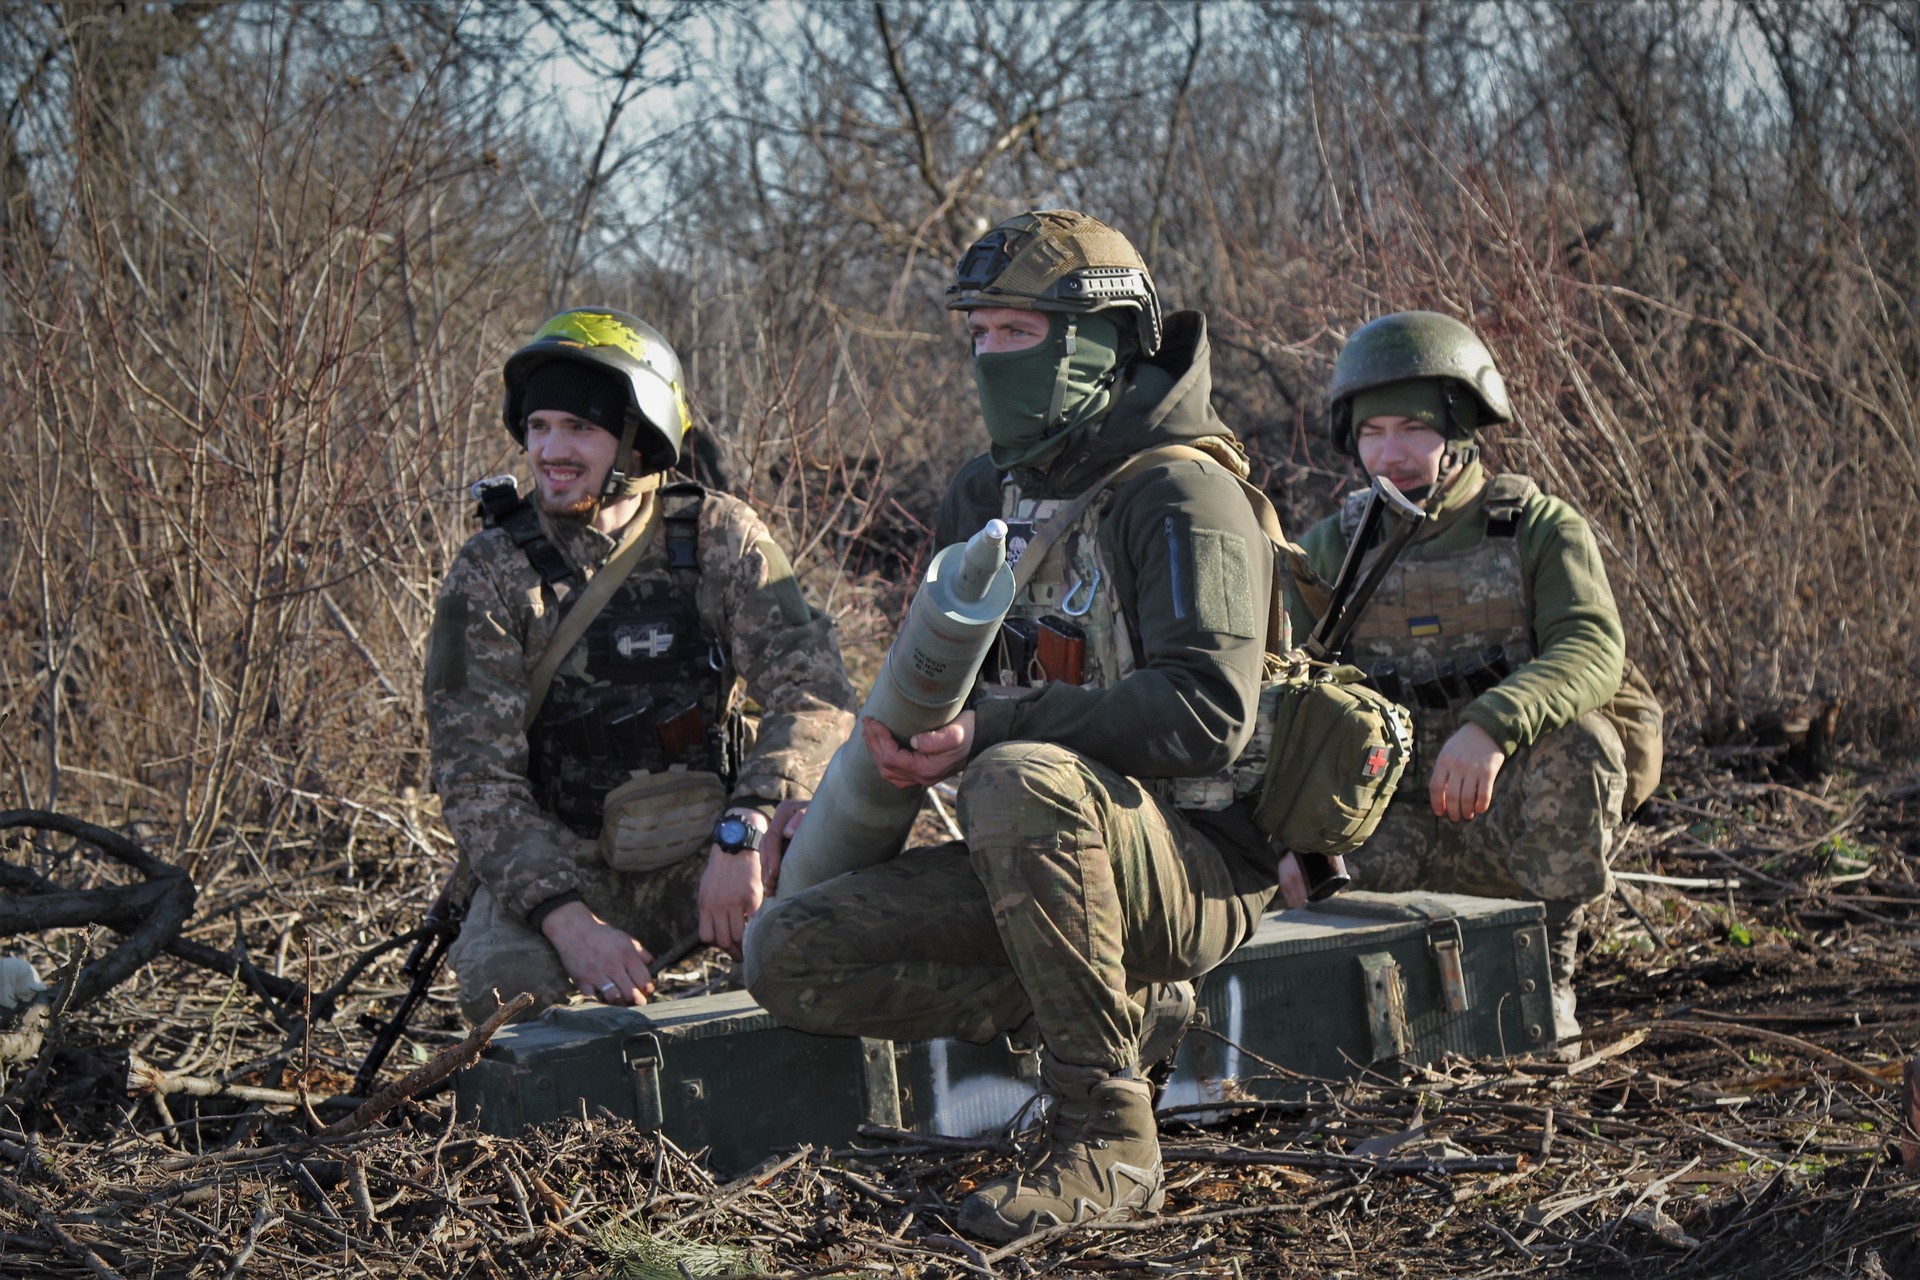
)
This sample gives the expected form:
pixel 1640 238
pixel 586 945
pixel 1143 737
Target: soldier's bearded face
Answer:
pixel 570 458
pixel 1405 450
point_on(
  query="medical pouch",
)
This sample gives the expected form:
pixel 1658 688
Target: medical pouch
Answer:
pixel 1339 748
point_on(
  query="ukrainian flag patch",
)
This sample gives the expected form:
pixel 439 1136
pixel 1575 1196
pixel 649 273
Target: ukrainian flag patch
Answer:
pixel 1427 626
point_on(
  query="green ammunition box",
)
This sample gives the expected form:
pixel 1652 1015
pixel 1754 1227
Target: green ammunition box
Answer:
pixel 714 1073
pixel 1325 991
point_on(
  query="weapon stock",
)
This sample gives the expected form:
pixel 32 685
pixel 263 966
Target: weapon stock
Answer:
pixel 442 926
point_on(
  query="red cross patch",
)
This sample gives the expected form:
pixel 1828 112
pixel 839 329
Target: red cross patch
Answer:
pixel 1376 763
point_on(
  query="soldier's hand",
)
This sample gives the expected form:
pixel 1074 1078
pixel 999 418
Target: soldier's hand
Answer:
pixel 731 890
pixel 1293 883
pixel 929 757
pixel 606 963
pixel 1463 774
pixel 773 847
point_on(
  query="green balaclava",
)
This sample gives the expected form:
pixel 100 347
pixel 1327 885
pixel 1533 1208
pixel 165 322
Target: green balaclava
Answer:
pixel 1033 399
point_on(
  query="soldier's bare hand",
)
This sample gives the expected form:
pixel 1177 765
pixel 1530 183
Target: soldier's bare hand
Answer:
pixel 1293 883
pixel 1464 773
pixel 731 890
pixel 607 964
pixel 929 757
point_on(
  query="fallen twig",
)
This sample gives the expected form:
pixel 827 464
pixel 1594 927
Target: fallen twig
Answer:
pixel 437 1068
pixel 21 1200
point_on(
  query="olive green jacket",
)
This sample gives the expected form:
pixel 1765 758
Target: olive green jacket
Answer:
pixel 1579 646
pixel 1190 565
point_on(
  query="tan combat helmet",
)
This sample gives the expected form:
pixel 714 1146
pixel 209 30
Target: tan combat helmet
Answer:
pixel 1408 345
pixel 657 418
pixel 1058 260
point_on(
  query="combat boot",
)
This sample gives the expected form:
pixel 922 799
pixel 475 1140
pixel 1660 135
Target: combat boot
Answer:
pixel 1166 1013
pixel 1102 1159
pixel 1563 953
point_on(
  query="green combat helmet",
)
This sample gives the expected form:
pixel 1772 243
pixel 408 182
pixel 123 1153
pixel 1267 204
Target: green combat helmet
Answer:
pixel 1416 344
pixel 1058 260
pixel 657 419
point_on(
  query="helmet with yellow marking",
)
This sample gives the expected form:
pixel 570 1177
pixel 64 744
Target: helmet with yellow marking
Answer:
pixel 653 423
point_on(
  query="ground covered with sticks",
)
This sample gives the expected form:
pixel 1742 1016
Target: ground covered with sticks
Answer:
pixel 1738 1109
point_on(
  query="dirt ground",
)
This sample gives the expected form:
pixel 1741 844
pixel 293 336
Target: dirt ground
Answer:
pixel 1738 1111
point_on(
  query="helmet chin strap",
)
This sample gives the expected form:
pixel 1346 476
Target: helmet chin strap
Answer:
pixel 1454 460
pixel 1068 346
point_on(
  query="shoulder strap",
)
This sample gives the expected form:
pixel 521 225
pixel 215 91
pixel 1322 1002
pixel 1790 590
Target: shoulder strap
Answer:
pixel 1063 519
pixel 587 607
pixel 502 507
pixel 1286 551
pixel 680 515
pixel 1506 497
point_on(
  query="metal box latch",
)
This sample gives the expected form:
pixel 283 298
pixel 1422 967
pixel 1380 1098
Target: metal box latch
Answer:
pixel 642 1054
pixel 1447 941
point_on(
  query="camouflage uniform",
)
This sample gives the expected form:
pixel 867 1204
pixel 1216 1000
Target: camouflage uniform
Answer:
pixel 1502 565
pixel 1080 880
pixel 492 620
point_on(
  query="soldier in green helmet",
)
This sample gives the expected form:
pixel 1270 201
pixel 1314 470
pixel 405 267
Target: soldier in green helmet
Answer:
pixel 1109 858
pixel 582 685
pixel 1497 630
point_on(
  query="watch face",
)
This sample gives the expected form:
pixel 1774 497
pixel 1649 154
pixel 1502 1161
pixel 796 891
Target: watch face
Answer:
pixel 732 834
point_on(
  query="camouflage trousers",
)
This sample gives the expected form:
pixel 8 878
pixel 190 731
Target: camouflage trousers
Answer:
pixel 1072 888
pixel 1545 838
pixel 496 952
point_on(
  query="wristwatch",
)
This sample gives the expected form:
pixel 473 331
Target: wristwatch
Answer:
pixel 734 834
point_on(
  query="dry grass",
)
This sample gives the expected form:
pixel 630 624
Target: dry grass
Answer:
pixel 1742 1106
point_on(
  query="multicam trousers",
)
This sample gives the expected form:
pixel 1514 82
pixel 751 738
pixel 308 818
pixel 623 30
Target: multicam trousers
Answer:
pixel 496 952
pixel 1073 887
pixel 1546 836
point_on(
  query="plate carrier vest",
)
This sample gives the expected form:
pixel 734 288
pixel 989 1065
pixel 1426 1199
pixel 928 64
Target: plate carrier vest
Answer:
pixel 642 663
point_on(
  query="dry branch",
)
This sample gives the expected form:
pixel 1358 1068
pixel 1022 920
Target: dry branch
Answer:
pixel 151 914
pixel 437 1068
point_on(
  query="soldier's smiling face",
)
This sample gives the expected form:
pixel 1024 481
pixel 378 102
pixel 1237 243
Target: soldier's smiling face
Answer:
pixel 570 458
pixel 1405 450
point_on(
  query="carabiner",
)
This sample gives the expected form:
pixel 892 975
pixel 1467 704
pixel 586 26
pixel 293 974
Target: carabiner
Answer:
pixel 1066 602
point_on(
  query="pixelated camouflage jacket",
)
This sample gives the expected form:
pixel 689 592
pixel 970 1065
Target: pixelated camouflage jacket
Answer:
pixel 493 617
pixel 1579 647
pixel 1190 566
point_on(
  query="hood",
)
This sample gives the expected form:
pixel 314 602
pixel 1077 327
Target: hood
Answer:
pixel 1164 400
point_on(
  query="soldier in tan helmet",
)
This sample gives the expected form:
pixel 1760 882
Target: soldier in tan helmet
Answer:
pixel 1108 855
pixel 1498 630
pixel 587 743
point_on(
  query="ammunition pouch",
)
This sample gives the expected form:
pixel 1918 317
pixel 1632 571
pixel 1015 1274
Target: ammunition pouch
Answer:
pixel 657 819
pixel 1636 715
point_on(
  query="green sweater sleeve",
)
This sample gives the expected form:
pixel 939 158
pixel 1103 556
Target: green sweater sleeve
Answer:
pixel 1581 649
pixel 1325 550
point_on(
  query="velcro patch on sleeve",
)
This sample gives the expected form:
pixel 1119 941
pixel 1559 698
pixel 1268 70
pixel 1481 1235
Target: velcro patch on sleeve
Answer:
pixel 780 581
pixel 447 646
pixel 1223 597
